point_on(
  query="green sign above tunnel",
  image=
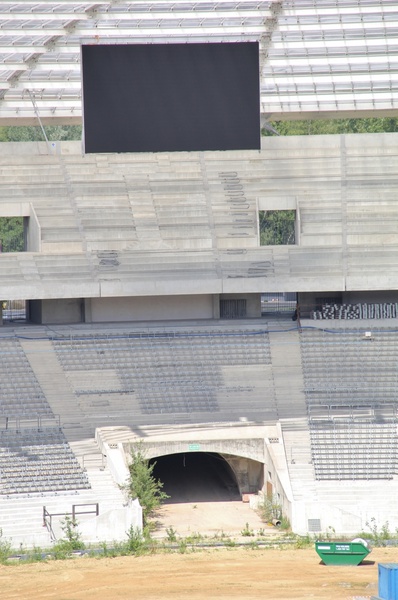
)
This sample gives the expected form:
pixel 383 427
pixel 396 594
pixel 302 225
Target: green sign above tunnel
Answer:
pixel 193 447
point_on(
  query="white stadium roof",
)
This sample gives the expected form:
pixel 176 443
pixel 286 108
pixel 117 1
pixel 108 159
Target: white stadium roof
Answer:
pixel 318 57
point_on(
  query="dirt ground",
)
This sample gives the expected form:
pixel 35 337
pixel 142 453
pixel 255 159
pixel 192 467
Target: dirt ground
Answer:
pixel 200 574
pixel 206 574
pixel 209 519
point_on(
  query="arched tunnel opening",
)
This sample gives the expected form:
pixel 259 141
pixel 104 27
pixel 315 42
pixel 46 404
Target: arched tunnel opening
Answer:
pixel 196 477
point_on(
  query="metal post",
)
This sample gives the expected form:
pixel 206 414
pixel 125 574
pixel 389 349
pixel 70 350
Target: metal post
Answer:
pixel 32 99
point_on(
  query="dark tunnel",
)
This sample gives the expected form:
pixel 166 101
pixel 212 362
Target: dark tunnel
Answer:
pixel 196 477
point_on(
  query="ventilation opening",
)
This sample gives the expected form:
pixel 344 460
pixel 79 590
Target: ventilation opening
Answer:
pixel 314 525
pixel 233 309
pixel 277 227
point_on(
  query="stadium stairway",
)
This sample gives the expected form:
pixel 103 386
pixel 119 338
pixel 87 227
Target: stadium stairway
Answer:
pixel 60 397
pixel 296 437
pixel 292 411
pixel 287 373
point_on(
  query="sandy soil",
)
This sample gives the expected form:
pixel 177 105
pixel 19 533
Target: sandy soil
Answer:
pixel 218 573
pixel 210 519
pixel 200 574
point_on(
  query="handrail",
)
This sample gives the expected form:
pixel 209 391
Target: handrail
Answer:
pixel 47 516
pixel 47 522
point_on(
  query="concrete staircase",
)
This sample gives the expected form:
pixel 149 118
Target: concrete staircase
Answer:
pixel 287 373
pixel 296 437
pixel 56 389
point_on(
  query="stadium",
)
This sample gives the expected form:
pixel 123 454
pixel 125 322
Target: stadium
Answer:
pixel 145 304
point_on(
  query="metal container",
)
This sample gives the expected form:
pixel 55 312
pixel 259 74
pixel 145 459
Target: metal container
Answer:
pixel 342 553
pixel 388 581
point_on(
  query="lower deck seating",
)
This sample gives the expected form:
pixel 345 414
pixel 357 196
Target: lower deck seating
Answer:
pixel 353 448
pixel 33 461
pixel 350 385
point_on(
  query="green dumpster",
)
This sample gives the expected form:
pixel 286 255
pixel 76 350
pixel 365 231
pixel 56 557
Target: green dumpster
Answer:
pixel 342 553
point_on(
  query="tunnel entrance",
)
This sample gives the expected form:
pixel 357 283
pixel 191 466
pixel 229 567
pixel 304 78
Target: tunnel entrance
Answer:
pixel 196 477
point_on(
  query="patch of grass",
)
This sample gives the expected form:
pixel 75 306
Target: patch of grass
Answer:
pixel 171 534
pixel 304 541
pixel 35 555
pixel 379 535
pixel 247 531
pixel 194 538
pixel 5 549
pixel 220 535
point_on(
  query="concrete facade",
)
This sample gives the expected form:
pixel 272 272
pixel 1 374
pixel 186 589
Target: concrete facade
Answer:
pixel 162 238
pixel 186 224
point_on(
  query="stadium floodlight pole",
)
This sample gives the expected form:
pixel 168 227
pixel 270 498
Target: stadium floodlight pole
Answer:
pixel 32 99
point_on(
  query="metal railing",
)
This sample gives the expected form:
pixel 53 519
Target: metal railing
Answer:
pixel 48 517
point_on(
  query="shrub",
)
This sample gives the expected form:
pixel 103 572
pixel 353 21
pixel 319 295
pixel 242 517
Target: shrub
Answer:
pixel 247 532
pixel 72 541
pixel 171 534
pixel 143 485
pixel 135 541
pixel 5 548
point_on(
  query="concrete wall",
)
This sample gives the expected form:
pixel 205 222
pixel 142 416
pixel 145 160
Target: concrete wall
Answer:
pixel 112 525
pixel 150 308
pixel 370 297
pixel 196 230
pixel 56 311
pixel 249 473
pixel 33 237
pixel 332 518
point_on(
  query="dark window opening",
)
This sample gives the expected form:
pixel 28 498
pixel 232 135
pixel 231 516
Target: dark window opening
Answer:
pixel 233 309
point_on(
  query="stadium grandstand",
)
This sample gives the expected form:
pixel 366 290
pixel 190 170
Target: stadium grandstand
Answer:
pixel 145 304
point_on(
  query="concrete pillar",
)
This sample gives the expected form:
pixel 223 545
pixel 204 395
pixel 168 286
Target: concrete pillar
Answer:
pixel 216 306
pixel 88 318
pixel 248 473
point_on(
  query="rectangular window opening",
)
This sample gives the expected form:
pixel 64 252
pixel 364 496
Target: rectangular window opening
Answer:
pixel 277 227
pixel 13 310
pixel 278 303
pixel 12 234
pixel 233 309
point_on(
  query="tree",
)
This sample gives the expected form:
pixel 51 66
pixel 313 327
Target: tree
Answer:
pixel 143 485
pixel 11 234
pixel 277 227
pixel 54 133
pixel 334 126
